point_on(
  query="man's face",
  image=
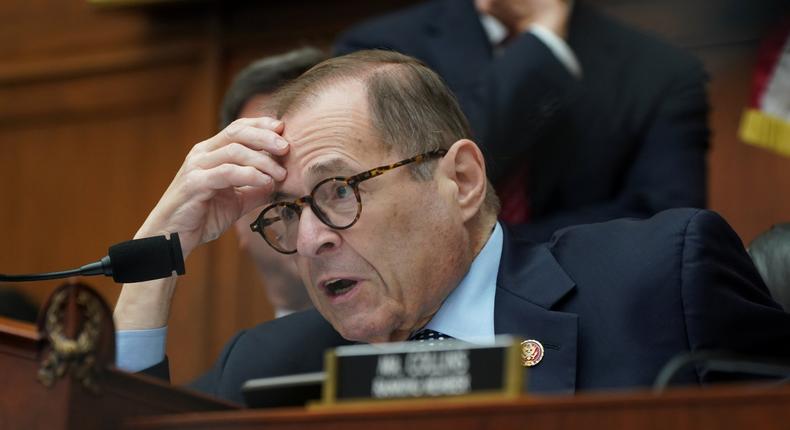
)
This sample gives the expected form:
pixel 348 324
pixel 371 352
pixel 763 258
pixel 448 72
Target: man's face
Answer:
pixel 389 273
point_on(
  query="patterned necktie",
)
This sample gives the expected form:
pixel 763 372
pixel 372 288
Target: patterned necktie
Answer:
pixel 430 336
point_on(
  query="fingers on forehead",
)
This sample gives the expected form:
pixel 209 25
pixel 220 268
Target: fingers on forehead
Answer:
pixel 257 138
pixel 250 133
pixel 260 122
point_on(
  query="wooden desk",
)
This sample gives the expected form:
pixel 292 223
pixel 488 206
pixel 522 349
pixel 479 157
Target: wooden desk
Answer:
pixel 720 408
pixel 25 403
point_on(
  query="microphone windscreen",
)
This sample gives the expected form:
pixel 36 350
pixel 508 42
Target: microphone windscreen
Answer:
pixel 146 259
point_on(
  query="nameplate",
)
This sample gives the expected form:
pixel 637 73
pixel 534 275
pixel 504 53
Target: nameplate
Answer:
pixel 410 370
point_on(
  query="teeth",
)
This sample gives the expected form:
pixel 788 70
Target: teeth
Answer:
pixel 332 284
pixel 339 286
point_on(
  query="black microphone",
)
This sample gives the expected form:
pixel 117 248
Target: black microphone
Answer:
pixel 131 261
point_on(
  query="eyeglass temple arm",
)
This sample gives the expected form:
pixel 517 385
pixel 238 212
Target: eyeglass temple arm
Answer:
pixel 376 171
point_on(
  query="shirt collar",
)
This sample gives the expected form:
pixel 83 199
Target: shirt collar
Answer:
pixel 494 29
pixel 468 312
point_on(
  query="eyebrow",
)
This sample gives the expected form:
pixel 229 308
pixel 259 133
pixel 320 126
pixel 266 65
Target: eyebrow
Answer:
pixel 333 167
pixel 318 171
pixel 279 196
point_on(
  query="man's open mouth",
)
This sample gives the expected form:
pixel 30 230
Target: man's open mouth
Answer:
pixel 338 287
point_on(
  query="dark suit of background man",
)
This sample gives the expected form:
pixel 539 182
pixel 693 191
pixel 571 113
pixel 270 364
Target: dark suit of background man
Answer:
pixel 418 246
pixel 581 118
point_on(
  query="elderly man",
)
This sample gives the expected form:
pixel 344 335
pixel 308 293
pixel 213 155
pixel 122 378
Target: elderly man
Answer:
pixel 383 201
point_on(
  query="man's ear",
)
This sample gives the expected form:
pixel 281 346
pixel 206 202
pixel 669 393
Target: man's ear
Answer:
pixel 465 167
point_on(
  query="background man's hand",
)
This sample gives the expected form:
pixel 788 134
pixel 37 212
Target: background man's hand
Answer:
pixel 519 15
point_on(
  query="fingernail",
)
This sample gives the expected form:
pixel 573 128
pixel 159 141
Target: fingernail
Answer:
pixel 280 143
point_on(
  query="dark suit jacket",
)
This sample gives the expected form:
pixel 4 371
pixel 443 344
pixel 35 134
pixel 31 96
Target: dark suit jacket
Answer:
pixel 610 302
pixel 627 140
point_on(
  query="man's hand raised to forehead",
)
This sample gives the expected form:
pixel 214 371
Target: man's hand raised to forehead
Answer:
pixel 221 179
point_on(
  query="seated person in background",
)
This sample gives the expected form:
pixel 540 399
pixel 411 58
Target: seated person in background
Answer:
pixel 376 191
pixel 581 118
pixel 246 98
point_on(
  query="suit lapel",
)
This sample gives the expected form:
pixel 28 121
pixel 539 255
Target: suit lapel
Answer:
pixel 530 282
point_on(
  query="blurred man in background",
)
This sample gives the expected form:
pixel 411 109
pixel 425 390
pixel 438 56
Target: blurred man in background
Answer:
pixel 581 118
pixel 246 98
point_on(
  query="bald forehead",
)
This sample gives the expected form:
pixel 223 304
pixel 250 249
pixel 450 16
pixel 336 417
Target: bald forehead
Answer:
pixel 338 112
pixel 297 98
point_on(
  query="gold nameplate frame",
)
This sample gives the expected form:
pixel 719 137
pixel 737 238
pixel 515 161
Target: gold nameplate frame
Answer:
pixel 403 371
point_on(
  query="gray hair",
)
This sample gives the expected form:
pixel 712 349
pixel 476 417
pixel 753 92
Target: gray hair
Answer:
pixel 265 76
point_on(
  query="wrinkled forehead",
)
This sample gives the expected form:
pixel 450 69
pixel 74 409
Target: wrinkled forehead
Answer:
pixel 331 135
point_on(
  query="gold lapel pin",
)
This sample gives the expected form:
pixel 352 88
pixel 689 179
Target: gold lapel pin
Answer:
pixel 531 352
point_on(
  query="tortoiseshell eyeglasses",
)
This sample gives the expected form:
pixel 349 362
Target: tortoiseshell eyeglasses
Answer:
pixel 335 201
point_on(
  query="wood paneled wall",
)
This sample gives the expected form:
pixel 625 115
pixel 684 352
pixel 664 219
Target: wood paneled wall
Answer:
pixel 98 107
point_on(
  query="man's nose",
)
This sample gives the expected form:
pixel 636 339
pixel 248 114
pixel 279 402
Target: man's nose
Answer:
pixel 314 237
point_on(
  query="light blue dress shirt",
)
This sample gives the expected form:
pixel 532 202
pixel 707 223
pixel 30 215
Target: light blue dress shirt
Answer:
pixel 136 350
pixel 468 312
